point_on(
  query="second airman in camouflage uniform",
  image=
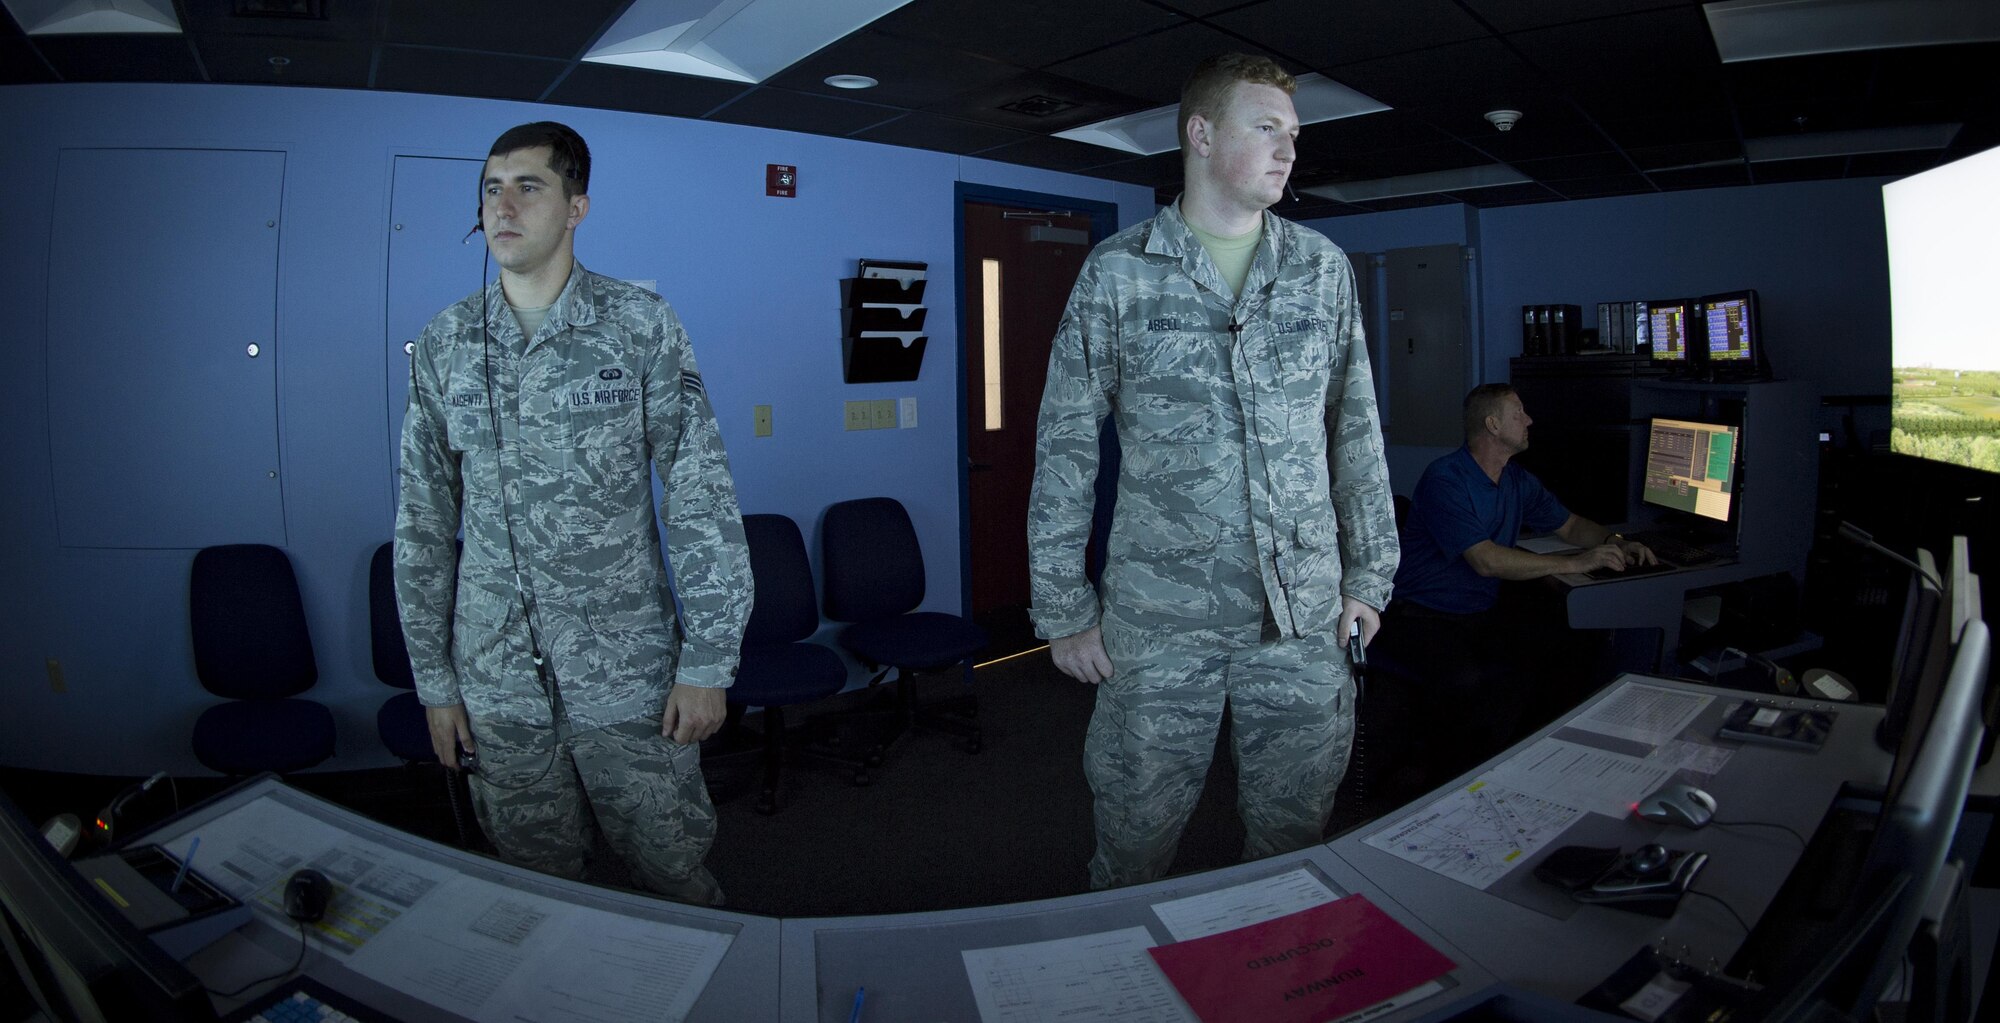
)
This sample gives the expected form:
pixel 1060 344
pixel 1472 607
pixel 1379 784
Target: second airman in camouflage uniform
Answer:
pixel 552 639
pixel 1253 520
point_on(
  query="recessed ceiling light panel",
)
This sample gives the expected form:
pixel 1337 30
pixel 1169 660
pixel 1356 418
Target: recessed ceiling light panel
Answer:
pixel 1765 29
pixel 851 81
pixel 734 40
pixel 1158 130
pixel 96 17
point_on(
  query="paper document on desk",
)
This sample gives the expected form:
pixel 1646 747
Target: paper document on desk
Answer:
pixel 1084 979
pixel 259 845
pixel 1197 916
pixel 1645 714
pixel 1550 544
pixel 491 953
pixel 1475 835
pixel 1578 776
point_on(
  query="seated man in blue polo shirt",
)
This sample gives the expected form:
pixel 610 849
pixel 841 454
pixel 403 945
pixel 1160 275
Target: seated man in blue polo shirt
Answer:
pixel 1480 660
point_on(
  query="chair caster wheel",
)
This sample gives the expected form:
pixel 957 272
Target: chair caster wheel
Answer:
pixel 861 779
pixel 874 758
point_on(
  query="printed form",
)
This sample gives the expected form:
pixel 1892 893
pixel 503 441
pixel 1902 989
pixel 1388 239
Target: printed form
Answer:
pixel 459 942
pixel 1642 713
pixel 1084 979
pixel 1581 777
pixel 1475 835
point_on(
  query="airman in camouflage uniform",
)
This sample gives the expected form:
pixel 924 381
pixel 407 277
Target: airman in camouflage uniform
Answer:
pixel 1253 523
pixel 552 637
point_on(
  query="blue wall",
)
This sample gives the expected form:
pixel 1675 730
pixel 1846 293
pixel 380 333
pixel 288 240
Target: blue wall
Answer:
pixel 1816 252
pixel 754 278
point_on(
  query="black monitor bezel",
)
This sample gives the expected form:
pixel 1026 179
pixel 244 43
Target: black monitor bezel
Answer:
pixel 1687 357
pixel 72 927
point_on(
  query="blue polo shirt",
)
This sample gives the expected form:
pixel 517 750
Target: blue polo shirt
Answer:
pixel 1454 508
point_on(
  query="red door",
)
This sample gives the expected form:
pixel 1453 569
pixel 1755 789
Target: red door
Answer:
pixel 1020 264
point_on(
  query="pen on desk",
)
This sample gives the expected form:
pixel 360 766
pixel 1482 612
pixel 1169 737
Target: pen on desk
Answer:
pixel 182 874
pixel 860 994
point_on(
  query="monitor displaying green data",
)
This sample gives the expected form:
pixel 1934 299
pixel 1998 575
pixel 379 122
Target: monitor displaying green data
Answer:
pixel 1691 467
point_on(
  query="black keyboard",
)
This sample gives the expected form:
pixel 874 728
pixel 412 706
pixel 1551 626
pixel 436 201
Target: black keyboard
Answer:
pixel 1631 571
pixel 1680 552
pixel 302 999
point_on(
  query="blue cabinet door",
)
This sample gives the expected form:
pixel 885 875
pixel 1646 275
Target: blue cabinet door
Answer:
pixel 163 275
pixel 432 263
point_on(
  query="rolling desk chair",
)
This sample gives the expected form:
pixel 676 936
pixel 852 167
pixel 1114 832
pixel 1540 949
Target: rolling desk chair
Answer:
pixel 400 722
pixel 251 646
pixel 779 668
pixel 874 581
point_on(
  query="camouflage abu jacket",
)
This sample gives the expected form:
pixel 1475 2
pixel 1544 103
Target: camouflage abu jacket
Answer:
pixel 607 385
pixel 1225 410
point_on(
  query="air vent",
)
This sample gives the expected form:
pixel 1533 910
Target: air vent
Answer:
pixel 290 10
pixel 1039 106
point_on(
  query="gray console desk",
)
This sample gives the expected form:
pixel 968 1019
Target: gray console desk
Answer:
pixel 1516 939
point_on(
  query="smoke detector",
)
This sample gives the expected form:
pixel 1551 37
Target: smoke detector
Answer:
pixel 1503 119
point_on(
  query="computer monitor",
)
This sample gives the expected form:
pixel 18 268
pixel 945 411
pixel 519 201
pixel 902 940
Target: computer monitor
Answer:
pixel 79 956
pixel 1916 669
pixel 1734 344
pixel 1663 323
pixel 1692 468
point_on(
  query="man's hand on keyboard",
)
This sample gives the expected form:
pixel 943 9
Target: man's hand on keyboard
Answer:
pixel 1636 553
pixel 1607 556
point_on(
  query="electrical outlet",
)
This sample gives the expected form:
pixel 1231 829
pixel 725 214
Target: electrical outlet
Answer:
pixel 56 683
pixel 909 413
pixel 761 416
pixel 882 414
pixel 857 416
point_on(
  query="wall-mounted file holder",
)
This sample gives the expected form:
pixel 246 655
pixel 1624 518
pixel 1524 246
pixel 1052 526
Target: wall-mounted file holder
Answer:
pixel 881 358
pixel 882 322
pixel 860 291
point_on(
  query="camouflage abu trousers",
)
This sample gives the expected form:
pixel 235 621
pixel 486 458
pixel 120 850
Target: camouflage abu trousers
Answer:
pixel 1153 733
pixel 645 792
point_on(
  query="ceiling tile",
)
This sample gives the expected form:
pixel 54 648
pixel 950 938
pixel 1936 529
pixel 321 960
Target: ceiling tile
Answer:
pixel 1306 31
pixel 350 20
pixel 530 27
pixel 1602 185
pixel 1055 154
pixel 20 62
pixel 1154 67
pixel 920 130
pixel 1654 61
pixel 766 107
pixel 1000 103
pixel 1703 177
pixel 1481 75
pixel 247 60
pixel 911 73
pixel 458 73
pixel 1515 15
pixel 120 58
pixel 613 87
pixel 1028 33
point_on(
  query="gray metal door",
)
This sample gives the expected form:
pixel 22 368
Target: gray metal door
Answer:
pixel 162 361
pixel 1425 345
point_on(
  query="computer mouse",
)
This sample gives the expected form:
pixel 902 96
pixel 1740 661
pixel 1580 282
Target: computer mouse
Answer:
pixel 1647 859
pixel 306 896
pixel 1678 803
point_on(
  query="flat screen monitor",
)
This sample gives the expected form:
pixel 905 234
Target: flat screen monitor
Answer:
pixel 80 957
pixel 1731 336
pixel 1944 367
pixel 1664 325
pixel 1916 671
pixel 1692 467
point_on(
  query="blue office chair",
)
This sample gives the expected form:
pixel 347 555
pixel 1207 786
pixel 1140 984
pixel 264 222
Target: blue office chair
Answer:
pixel 251 646
pixel 875 580
pixel 780 669
pixel 400 722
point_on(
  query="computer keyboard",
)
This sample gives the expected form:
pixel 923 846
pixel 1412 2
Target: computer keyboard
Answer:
pixel 1680 552
pixel 1631 571
pixel 305 1000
